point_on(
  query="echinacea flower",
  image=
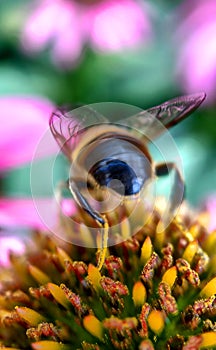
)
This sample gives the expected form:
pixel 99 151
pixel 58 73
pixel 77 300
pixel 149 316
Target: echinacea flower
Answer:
pixel 67 25
pixel 156 290
pixel 196 40
pixel 23 122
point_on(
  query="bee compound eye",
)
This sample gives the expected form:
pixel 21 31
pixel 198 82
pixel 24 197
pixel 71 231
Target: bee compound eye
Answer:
pixel 117 175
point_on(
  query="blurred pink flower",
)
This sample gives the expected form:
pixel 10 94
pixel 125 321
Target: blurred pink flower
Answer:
pixel 7 245
pixel 210 206
pixel 66 25
pixel 21 212
pixel 23 122
pixel 196 38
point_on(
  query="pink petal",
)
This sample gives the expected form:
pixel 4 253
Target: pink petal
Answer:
pixel 211 208
pixel 69 38
pixel 199 60
pixel 195 13
pixel 24 120
pixel 42 213
pixel 41 25
pixel 56 23
pixel 115 25
pixel 196 36
pixel 68 207
pixel 66 25
pixel 10 244
pixel 16 212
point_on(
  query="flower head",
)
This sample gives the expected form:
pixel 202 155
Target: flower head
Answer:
pixel 66 25
pixel 154 291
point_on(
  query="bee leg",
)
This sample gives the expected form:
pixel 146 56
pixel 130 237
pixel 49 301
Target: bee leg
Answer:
pixel 83 203
pixel 178 190
pixel 99 218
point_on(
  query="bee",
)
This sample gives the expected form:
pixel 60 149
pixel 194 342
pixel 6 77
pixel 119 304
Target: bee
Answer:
pixel 112 159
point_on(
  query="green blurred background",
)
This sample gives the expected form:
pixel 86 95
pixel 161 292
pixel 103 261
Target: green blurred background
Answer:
pixel 143 76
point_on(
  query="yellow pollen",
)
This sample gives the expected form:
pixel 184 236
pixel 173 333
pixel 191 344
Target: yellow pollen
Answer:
pixel 29 315
pixel 156 321
pixel 139 294
pixel 170 276
pixel 48 345
pixel 209 289
pixel 190 251
pixel 58 294
pixel 93 326
pixel 38 275
pixel 94 276
pixel 146 250
pixel 208 339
